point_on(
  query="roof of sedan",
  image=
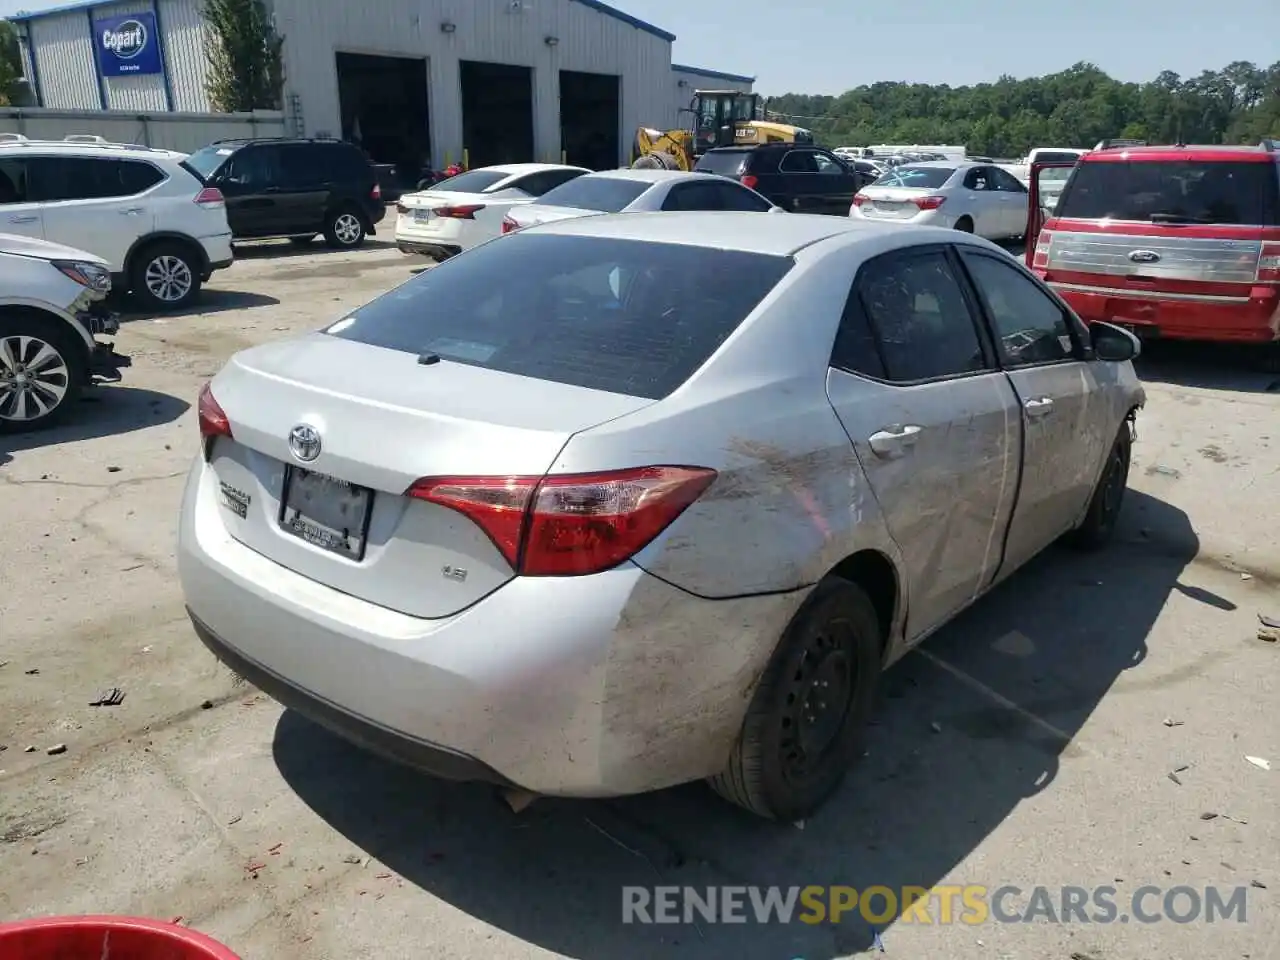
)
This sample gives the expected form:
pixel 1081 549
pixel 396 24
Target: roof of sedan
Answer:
pixel 652 176
pixel 514 169
pixel 779 234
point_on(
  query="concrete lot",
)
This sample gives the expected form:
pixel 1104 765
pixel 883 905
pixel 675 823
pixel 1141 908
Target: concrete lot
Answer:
pixel 1029 743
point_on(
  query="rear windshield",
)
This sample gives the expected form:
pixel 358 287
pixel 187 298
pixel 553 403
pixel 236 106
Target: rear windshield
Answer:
pixel 624 316
pixel 206 161
pixel 603 194
pixel 1185 191
pixel 727 163
pixel 473 181
pixel 908 176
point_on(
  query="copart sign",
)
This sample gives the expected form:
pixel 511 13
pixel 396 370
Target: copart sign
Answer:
pixel 128 45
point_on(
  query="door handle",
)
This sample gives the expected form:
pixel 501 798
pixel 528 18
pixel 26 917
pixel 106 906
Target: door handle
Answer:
pixel 27 219
pixel 893 441
pixel 131 212
pixel 1039 406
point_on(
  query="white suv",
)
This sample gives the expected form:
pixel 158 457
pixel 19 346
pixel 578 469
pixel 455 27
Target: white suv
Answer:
pixel 161 230
pixel 51 310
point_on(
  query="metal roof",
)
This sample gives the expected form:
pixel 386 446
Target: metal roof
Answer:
pixel 712 74
pixel 636 22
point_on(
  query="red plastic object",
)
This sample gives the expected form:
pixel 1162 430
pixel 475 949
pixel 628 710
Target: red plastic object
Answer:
pixel 106 938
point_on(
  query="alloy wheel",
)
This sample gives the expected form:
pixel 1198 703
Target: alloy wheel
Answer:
pixel 168 278
pixel 347 228
pixel 34 378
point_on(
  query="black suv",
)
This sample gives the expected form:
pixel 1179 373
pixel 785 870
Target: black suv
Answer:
pixel 294 188
pixel 796 177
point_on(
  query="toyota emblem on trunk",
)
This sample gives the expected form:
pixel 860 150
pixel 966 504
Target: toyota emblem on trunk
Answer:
pixel 304 442
pixel 1144 256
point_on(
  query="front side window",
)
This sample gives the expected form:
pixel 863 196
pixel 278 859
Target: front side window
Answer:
pixel 253 168
pixel 919 315
pixel 829 165
pixel 1030 327
pixel 624 316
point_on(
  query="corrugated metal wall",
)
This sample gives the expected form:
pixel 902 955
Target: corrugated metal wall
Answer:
pixel 145 93
pixel 487 30
pixel 186 36
pixel 187 132
pixel 695 80
pixel 64 55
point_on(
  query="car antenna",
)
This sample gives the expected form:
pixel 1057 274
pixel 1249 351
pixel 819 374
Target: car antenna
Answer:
pixel 427 359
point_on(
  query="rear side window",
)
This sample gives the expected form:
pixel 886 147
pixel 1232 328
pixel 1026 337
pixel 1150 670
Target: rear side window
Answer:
pixel 929 178
pixel 727 163
pixel 602 194
pixel 352 165
pixel 1183 191
pixel 13 180
pixel 89 178
pixel 301 166
pixel 473 181
pixel 623 316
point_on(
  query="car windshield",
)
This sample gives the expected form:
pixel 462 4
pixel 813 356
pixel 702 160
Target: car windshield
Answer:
pixel 1183 191
pixel 602 194
pixel 727 163
pixel 206 161
pixel 927 178
pixel 624 316
pixel 473 181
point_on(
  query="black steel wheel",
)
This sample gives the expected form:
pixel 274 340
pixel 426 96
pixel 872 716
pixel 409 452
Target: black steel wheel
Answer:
pixel 1108 496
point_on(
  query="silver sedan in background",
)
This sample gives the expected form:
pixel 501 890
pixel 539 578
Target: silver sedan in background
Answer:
pixel 619 502
pixel 976 198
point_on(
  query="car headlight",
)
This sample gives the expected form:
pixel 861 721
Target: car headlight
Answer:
pixel 91 275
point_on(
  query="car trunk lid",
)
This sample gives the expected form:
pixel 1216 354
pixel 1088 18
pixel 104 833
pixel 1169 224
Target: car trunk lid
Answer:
pixel 374 421
pixel 895 203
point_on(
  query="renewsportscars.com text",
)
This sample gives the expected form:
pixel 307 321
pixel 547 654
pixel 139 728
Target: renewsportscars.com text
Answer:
pixel 971 905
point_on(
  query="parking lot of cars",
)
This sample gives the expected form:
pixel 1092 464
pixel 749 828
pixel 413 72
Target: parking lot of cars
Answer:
pixel 1087 723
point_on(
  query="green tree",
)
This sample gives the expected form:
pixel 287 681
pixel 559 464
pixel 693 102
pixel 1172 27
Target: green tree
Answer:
pixel 245 63
pixel 10 60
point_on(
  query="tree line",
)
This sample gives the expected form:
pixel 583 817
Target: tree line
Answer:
pixel 1075 108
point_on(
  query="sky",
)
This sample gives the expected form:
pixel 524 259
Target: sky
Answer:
pixel 829 46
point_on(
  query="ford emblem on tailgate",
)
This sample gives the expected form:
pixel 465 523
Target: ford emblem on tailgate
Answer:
pixel 304 442
pixel 1144 256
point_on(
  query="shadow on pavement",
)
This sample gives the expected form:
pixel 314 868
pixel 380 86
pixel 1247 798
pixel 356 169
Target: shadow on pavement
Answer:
pixel 210 300
pixel 946 764
pixel 283 249
pixel 1210 365
pixel 103 411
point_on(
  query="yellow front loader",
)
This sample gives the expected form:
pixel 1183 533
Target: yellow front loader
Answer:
pixel 718 118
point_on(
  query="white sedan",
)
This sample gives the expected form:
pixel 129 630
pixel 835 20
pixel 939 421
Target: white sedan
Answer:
pixel 637 191
pixel 466 210
pixel 972 197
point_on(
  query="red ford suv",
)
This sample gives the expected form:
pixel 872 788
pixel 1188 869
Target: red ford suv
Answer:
pixel 1176 241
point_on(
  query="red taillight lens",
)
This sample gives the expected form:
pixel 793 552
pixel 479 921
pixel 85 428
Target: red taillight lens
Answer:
pixel 1269 264
pixel 859 199
pixel 572 524
pixel 376 192
pixel 213 421
pixel 467 212
pixel 929 203
pixel 510 226
pixel 210 197
pixel 747 181
pixel 1040 260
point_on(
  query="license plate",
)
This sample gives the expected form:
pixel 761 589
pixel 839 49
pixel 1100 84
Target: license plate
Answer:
pixel 326 512
pixel 421 216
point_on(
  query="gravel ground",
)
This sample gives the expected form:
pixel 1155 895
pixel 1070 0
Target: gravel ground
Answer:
pixel 1030 743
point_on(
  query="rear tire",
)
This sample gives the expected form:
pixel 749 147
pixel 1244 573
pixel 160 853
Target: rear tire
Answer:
pixel 1108 496
pixel 165 275
pixel 344 229
pixel 965 224
pixel 42 365
pixel 805 725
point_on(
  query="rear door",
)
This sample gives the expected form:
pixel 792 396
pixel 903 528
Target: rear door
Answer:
pixel 838 183
pixel 982 201
pixel 1013 201
pixel 1067 418
pixel 307 176
pixel 933 422
pixel 19 213
pixel 806 190
pixel 99 204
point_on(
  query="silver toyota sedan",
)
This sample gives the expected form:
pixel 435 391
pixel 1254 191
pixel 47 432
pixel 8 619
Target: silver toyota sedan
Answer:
pixel 620 502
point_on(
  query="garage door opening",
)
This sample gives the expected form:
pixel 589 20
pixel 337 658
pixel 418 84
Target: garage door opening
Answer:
pixel 497 113
pixel 385 109
pixel 589 119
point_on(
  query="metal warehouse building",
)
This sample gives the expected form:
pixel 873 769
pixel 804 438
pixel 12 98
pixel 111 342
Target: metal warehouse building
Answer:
pixel 412 80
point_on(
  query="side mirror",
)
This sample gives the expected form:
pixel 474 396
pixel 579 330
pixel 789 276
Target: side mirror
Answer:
pixel 1113 344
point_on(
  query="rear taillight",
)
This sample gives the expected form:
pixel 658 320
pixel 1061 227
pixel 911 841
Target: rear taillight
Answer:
pixel 466 212
pixel 376 192
pixel 859 199
pixel 401 208
pixel 213 421
pixel 1040 260
pixel 572 524
pixel 509 225
pixel 1269 264
pixel 932 202
pixel 749 181
pixel 211 197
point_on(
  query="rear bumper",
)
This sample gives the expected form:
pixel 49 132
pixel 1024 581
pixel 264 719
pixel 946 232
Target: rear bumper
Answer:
pixel 1254 318
pixel 436 251
pixel 595 686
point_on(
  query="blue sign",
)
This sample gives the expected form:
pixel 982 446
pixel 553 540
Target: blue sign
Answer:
pixel 128 45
